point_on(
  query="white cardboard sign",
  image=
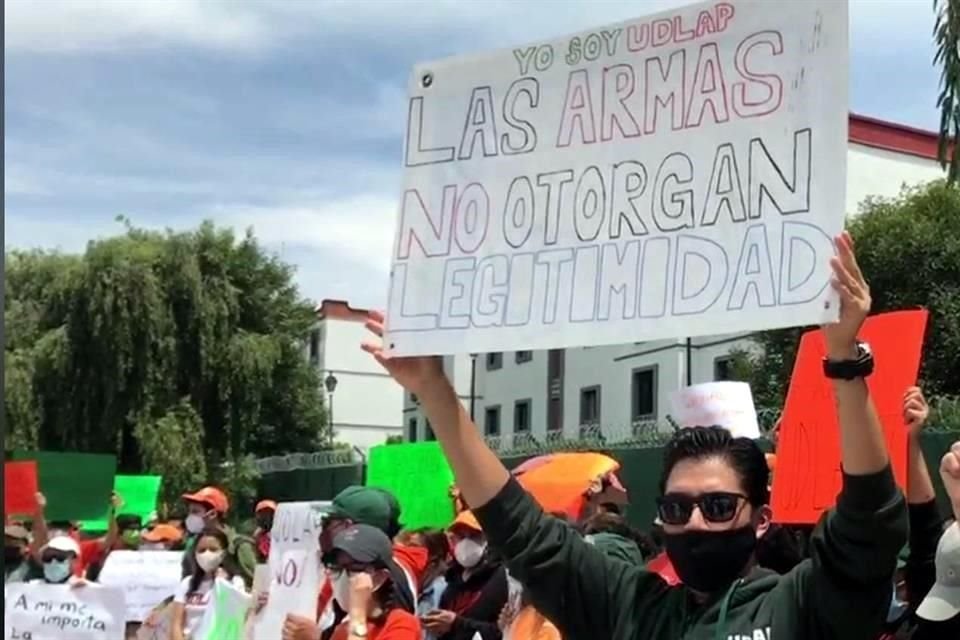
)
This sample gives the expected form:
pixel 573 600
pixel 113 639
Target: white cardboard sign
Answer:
pixel 226 617
pixel 722 404
pixel 295 568
pixel 145 577
pixel 40 611
pixel 681 174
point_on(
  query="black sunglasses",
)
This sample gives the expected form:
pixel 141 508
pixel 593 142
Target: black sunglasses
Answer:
pixel 715 506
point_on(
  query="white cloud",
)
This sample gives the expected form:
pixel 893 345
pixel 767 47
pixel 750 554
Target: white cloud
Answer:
pixel 80 25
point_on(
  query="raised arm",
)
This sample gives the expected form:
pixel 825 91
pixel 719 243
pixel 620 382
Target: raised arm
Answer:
pixel 848 585
pixel 480 474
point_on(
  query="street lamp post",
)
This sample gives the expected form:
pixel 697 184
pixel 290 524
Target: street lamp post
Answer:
pixel 331 384
pixel 473 386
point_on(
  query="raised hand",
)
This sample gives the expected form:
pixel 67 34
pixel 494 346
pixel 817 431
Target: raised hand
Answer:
pixel 855 301
pixel 950 473
pixel 415 374
pixel 915 411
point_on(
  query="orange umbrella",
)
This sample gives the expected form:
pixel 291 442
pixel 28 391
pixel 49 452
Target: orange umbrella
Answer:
pixel 561 482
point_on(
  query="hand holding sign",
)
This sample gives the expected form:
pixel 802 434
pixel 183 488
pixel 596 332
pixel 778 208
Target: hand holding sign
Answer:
pixel 855 301
pixel 915 411
pixel 413 374
pixel 950 473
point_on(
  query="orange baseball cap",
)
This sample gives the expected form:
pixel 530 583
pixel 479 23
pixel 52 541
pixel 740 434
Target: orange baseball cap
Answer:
pixel 211 496
pixel 163 533
pixel 468 520
pixel 265 505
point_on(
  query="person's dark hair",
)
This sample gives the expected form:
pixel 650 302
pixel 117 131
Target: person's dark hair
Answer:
pixel 743 454
pixel 617 524
pixel 435 542
pixel 228 565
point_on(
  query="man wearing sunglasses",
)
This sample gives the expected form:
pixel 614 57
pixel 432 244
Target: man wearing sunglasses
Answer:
pixel 714 509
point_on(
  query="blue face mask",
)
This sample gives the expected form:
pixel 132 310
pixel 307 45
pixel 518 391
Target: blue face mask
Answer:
pixel 56 571
pixel 897 608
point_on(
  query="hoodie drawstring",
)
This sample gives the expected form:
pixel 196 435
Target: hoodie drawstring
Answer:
pixel 724 608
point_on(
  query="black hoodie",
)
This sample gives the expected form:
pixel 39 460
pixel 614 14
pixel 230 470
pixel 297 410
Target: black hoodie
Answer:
pixel 842 591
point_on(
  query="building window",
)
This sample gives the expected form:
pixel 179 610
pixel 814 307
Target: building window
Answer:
pixel 590 407
pixel 723 368
pixel 643 392
pixel 555 415
pixel 524 356
pixel 491 421
pixel 413 398
pixel 494 361
pixel 315 347
pixel 521 416
pixel 412 430
pixel 429 435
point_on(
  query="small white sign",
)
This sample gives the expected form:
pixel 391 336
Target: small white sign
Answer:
pixel 146 578
pixel 722 404
pixel 40 611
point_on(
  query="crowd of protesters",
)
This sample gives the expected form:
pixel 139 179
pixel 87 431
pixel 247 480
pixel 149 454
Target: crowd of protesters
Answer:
pixel 881 565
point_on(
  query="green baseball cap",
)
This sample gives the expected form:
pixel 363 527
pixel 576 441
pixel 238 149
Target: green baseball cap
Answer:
pixel 368 505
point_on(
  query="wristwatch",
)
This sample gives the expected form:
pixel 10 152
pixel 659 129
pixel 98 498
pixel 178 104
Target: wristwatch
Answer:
pixel 859 367
pixel 358 629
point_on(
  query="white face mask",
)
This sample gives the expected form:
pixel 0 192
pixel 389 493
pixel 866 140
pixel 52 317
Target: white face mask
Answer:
pixel 210 561
pixel 195 523
pixel 56 571
pixel 341 590
pixel 469 553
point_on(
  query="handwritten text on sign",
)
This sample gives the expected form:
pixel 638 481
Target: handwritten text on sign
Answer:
pixel 40 611
pixel 724 404
pixel 681 174
pixel 294 566
pixel 146 578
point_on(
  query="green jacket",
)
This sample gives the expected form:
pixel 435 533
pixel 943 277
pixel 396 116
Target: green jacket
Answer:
pixel 842 591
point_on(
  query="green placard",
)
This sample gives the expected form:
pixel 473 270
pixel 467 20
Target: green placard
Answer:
pixel 419 476
pixel 139 496
pixel 77 486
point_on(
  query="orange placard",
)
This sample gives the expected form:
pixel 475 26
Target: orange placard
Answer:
pixel 808 476
pixel 20 488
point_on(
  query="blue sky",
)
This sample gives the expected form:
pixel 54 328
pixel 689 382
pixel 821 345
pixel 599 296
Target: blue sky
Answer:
pixel 288 116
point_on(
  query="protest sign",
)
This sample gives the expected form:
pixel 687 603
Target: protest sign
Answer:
pixel 146 578
pixel 419 476
pixel 225 618
pixel 158 627
pixel 676 175
pixel 20 487
pixel 721 404
pixel 295 566
pixel 139 496
pixel 41 611
pixel 77 486
pixel 808 476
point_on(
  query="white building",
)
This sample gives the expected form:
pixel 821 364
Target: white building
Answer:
pixel 543 394
pixel 366 404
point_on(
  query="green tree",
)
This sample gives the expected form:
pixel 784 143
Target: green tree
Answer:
pixel 909 249
pixel 107 352
pixel 946 33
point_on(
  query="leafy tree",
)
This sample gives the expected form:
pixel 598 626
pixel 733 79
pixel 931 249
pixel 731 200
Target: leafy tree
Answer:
pixel 946 33
pixel 909 249
pixel 169 349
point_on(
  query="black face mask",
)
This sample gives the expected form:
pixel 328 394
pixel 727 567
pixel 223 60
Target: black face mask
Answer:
pixel 709 561
pixel 12 555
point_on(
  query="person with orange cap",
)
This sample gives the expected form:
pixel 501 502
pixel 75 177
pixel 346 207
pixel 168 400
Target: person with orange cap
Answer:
pixel 264 513
pixel 207 508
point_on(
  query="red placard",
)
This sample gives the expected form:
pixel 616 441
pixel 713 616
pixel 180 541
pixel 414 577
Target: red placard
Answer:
pixel 808 476
pixel 20 487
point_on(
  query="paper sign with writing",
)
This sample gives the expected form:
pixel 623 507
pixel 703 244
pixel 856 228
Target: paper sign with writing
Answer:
pixel 722 404
pixel 226 618
pixel 77 486
pixel 139 496
pixel 158 626
pixel 145 577
pixel 295 566
pixel 41 611
pixel 680 174
pixel 419 476
pixel 20 487
pixel 808 476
